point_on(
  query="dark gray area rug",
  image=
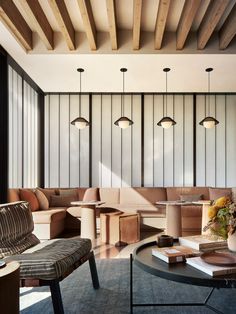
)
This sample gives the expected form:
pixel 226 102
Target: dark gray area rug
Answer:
pixel 113 296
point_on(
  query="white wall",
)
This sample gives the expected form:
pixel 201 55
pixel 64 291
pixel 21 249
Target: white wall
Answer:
pixel 66 148
pixel 168 153
pixel 115 155
pixel 216 148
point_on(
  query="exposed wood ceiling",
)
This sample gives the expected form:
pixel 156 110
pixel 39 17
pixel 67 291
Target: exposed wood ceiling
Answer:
pixel 206 19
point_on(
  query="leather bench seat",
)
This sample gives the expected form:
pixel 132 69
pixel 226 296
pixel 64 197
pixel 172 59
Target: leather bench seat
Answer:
pixel 50 215
pixel 51 222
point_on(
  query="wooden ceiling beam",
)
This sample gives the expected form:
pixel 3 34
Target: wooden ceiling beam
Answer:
pixel 186 21
pixel 15 22
pixel 228 30
pixel 111 14
pixel 137 11
pixel 210 20
pixel 63 19
pixel 88 21
pixel 39 19
pixel 162 14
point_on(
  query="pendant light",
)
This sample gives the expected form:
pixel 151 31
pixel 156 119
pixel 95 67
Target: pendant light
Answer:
pixel 123 122
pixel 166 122
pixel 80 123
pixel 209 122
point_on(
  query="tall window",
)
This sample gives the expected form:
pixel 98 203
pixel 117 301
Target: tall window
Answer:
pixel 23 132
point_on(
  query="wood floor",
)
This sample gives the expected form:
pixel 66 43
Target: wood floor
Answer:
pixel 103 250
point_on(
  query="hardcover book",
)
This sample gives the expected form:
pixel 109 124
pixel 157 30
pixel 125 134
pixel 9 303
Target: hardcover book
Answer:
pixel 210 269
pixel 174 254
pixel 203 242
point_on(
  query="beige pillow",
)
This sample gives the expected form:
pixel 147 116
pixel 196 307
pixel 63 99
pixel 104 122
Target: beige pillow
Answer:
pixel 191 197
pixel 42 199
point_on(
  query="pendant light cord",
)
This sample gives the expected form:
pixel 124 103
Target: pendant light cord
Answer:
pixel 80 94
pixel 165 113
pixel 122 97
pixel 208 109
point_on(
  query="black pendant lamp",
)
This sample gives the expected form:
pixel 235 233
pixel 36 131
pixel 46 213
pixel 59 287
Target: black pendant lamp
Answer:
pixel 166 122
pixel 209 122
pixel 123 122
pixel 80 122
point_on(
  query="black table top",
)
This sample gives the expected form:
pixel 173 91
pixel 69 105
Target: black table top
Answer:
pixel 180 272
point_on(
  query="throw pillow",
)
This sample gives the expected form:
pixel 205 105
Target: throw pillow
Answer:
pixel 13 195
pixel 30 197
pixel 215 193
pixel 16 225
pixel 48 192
pixel 91 194
pixel 61 200
pixel 191 197
pixel 68 192
pixel 42 199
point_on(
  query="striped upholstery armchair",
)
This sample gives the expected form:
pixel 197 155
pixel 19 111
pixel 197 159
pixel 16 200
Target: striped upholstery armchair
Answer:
pixel 45 263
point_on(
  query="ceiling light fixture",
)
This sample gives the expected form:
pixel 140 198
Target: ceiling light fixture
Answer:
pixel 166 122
pixel 80 123
pixel 209 122
pixel 123 122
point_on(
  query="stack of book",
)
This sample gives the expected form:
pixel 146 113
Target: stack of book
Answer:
pixel 174 254
pixel 207 243
pixel 210 269
pixel 191 250
pixel 203 242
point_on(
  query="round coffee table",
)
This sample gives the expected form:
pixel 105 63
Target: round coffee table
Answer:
pixel 180 272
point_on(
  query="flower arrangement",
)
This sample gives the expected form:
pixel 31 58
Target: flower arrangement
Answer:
pixel 222 215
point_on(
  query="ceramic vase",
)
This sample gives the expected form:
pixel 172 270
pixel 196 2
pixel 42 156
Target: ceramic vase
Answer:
pixel 231 241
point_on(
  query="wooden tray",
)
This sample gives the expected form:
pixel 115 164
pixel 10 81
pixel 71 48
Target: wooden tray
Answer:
pixel 219 259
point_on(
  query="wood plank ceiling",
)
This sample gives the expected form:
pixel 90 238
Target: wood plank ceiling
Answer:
pixel 206 19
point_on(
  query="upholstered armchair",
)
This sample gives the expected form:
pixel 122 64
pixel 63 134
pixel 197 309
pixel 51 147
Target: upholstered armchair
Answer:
pixel 45 263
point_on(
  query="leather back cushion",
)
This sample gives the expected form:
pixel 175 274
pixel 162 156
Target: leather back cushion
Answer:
pixel 29 196
pixel 141 195
pixel 173 193
pixel 215 193
pixel 110 195
pixel 16 225
pixel 68 192
pixel 91 194
pixel 80 193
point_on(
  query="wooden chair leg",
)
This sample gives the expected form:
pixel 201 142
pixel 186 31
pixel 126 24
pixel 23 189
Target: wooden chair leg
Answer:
pixel 93 270
pixel 56 297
